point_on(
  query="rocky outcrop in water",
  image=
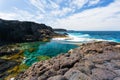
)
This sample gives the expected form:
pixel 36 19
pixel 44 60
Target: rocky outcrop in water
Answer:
pixel 91 61
pixel 23 31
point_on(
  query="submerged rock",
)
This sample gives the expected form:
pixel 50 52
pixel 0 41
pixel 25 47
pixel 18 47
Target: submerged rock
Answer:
pixel 91 61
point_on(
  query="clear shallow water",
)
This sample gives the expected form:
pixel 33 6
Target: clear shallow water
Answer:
pixel 44 49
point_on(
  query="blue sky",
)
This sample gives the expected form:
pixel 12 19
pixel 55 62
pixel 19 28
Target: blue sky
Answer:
pixel 68 14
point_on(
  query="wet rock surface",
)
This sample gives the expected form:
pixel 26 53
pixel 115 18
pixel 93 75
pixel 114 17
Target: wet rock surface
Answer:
pixel 9 61
pixel 91 61
pixel 4 66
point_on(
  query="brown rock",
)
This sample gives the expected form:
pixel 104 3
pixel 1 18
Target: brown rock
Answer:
pixel 58 77
pixel 102 74
pixel 76 75
pixel 117 78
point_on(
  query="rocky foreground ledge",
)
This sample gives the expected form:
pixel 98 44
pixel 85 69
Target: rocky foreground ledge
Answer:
pixel 91 61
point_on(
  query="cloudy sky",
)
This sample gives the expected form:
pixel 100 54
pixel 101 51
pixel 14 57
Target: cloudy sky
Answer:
pixel 68 14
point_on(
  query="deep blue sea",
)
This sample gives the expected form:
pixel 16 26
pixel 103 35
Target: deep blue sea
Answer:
pixel 95 35
pixel 62 45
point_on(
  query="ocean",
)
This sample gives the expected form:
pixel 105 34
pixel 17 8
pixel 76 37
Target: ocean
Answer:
pixel 87 36
pixel 98 35
pixel 62 45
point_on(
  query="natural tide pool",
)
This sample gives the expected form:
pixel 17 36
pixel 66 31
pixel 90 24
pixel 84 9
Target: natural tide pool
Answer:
pixel 32 52
pixel 37 51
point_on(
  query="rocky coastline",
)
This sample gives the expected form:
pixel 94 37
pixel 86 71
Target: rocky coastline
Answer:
pixel 90 61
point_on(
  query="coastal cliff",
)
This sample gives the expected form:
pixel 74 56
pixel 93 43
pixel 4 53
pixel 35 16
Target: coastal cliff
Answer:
pixel 12 31
pixel 90 61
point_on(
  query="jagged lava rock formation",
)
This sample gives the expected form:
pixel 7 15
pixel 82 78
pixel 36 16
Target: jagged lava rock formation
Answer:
pixel 91 61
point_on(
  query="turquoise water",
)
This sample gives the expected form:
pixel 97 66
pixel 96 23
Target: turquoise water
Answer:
pixel 47 49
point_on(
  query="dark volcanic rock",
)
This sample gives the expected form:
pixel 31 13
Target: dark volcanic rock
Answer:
pixel 4 66
pixel 16 31
pixel 10 52
pixel 91 61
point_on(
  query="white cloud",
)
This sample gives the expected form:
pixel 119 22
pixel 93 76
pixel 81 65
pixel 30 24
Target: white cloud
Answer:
pixel 44 5
pixel 62 12
pixel 38 4
pixel 92 2
pixel 102 18
pixel 21 15
pixel 53 5
pixel 51 8
pixel 78 3
pixel 55 9
pixel 7 16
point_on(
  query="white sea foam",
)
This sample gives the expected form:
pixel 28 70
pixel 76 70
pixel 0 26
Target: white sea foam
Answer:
pixel 84 38
pixel 78 38
pixel 12 78
pixel 59 38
